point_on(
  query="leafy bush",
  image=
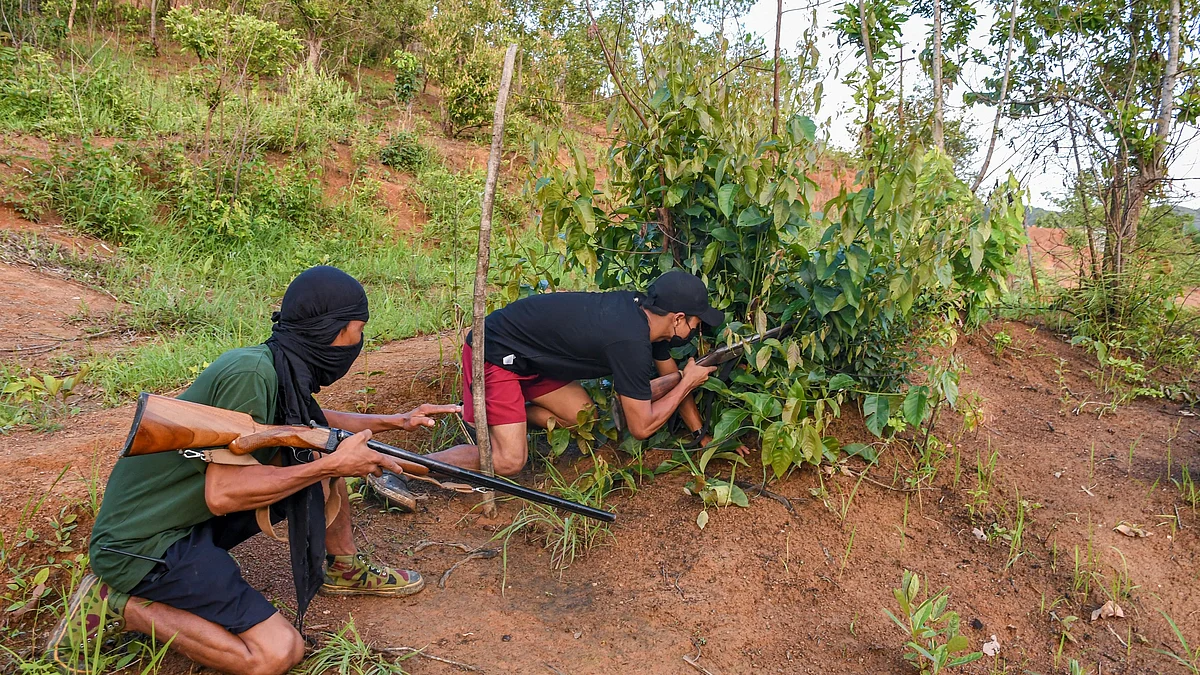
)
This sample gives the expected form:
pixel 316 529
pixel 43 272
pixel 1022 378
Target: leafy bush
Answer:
pixel 316 108
pixel 408 75
pixel 218 209
pixel 405 152
pixel 469 97
pixel 933 631
pixel 698 181
pixel 96 190
pixel 91 97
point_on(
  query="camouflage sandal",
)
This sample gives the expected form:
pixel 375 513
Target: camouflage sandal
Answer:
pixel 96 612
pixel 356 575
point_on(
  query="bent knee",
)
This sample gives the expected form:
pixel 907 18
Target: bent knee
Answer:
pixel 281 656
pixel 509 464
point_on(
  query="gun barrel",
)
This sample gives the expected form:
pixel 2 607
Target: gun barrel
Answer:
pixel 483 480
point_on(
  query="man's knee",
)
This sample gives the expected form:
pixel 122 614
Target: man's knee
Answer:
pixel 508 457
pixel 277 654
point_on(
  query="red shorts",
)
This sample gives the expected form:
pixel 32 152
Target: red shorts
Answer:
pixel 507 392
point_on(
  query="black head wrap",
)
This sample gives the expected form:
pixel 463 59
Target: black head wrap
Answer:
pixel 316 307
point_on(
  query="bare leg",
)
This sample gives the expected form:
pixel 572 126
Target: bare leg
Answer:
pixel 339 535
pixel 270 648
pixel 509 450
pixel 563 404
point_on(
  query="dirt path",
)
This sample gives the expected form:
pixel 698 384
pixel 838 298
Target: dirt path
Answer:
pixel 761 590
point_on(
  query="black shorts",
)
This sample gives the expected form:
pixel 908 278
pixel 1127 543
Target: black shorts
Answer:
pixel 201 578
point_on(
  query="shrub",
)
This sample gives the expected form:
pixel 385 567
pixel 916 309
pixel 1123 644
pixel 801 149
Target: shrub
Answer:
pixel 315 109
pixel 97 191
pixel 408 75
pixel 92 97
pixel 405 152
pixel 468 98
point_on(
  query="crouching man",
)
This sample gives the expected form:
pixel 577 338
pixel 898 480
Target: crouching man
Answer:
pixel 537 347
pixel 159 548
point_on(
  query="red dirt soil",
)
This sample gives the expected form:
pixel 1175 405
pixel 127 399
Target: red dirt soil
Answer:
pixel 760 590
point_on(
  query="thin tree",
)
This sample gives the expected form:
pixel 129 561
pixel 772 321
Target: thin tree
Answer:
pixel 1008 50
pixel 775 84
pixel 939 139
pixel 479 308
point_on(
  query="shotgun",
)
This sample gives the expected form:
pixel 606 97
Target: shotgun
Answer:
pixel 662 385
pixel 164 424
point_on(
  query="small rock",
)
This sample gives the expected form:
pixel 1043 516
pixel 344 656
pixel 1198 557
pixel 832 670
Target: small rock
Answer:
pixel 506 638
pixel 976 624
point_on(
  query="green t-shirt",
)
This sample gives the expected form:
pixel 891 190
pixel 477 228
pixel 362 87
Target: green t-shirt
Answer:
pixel 153 501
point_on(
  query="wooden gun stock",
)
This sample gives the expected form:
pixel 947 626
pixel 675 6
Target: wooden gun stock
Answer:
pixel 163 424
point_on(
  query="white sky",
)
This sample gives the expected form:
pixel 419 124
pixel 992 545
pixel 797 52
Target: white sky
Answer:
pixel 837 103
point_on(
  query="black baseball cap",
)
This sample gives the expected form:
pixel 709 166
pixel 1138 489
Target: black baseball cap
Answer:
pixel 678 291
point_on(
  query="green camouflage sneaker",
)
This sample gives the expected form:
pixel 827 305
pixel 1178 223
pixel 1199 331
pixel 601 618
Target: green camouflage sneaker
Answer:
pixel 356 575
pixel 95 613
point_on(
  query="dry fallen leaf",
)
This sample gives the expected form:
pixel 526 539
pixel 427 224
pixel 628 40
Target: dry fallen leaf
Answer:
pixel 991 647
pixel 1131 530
pixel 979 534
pixel 1110 610
pixel 34 598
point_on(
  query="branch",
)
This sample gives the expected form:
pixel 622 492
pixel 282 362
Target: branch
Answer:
pixel 612 67
pixel 1012 29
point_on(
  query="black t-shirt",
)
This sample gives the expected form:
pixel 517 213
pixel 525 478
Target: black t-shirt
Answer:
pixel 576 336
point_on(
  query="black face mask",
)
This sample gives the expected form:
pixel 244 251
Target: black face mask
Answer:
pixel 677 341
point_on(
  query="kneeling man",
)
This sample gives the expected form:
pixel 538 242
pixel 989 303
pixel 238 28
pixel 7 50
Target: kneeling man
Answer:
pixel 159 548
pixel 536 347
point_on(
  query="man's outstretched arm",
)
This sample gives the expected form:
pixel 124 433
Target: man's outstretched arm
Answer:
pixel 421 416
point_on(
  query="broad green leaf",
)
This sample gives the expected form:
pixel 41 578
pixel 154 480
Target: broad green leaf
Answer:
pixel 867 452
pixel 958 643
pixel 841 381
pixel 41 577
pixel 583 208
pixel 738 496
pixel 915 405
pixel 824 299
pixel 725 198
pixel 801 128
pixel 763 358
pixel 710 256
pixel 810 444
pixel 724 234
pixel 877 410
pixel 729 424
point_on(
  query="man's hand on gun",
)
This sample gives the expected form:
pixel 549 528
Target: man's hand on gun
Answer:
pixel 695 374
pixel 354 458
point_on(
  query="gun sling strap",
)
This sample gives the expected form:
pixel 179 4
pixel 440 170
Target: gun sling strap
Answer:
pixel 262 515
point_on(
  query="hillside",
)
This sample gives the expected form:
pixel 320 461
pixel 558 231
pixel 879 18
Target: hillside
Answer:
pixel 948 421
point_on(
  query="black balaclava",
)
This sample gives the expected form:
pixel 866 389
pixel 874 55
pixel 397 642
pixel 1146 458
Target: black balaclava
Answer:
pixel 316 307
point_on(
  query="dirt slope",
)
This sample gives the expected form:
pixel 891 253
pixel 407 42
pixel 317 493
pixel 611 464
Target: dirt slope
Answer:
pixel 761 590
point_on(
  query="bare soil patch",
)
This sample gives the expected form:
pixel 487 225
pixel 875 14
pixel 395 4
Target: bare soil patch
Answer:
pixel 760 589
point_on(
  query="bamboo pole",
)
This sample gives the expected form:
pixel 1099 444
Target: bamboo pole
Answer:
pixel 479 309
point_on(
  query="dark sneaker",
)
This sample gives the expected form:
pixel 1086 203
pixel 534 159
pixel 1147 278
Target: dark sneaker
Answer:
pixel 393 490
pixel 357 575
pixel 96 612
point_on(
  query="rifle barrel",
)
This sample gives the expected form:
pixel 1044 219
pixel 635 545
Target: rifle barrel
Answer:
pixel 483 480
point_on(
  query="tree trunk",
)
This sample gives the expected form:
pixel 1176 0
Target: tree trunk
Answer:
pixel 938 94
pixel 987 159
pixel 775 95
pixel 153 23
pixel 479 307
pixel 868 132
pixel 71 16
pixel 314 50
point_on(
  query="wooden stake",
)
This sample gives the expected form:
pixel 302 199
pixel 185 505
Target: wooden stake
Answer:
pixel 479 309
pixel 775 85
